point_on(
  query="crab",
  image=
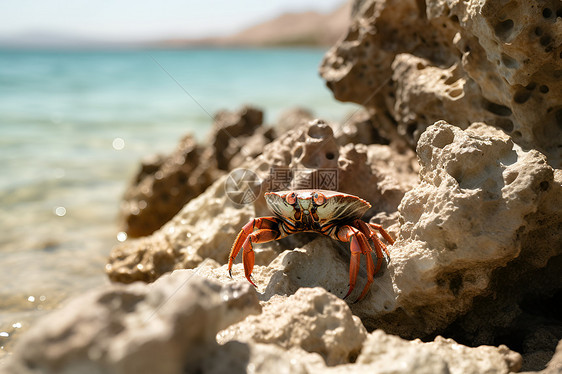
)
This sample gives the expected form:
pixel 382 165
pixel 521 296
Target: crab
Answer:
pixel 334 214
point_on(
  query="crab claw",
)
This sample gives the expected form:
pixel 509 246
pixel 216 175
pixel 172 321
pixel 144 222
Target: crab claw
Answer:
pixel 266 231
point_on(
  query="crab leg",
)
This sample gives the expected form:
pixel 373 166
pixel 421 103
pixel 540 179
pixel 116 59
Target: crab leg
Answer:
pixel 358 245
pixel 371 271
pixel 266 230
pixel 371 234
pixel 383 232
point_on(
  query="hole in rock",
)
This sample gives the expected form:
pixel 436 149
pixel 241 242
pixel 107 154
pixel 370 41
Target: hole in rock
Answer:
pixel 182 179
pixel 546 12
pixel 521 96
pixel 538 31
pixel 544 185
pixel 330 155
pixel 498 109
pixel 456 93
pixel 503 29
pixel 559 13
pixel 455 284
pixel 298 152
pixel 531 86
pixel 543 89
pixel 411 129
pixel 558 117
pixel 455 19
pixel 509 178
pixel 505 124
pixel 545 40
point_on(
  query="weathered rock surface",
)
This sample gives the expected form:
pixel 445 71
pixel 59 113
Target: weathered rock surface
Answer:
pixel 307 157
pixel 440 356
pixel 464 61
pixel 475 237
pixel 311 319
pixel 479 239
pixel 170 327
pixel 165 184
pixel 165 327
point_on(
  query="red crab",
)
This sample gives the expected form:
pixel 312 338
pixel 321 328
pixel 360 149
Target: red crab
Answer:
pixel 331 213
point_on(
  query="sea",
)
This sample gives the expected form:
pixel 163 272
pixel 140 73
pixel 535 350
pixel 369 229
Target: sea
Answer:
pixel 74 125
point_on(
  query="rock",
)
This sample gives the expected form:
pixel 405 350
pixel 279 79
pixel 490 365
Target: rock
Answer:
pixel 468 250
pixel 464 61
pixel 359 128
pixel 555 364
pixel 474 238
pixel 230 133
pixel 307 157
pixel 164 185
pixel 166 327
pixel 205 228
pixel 291 119
pixel 311 319
pixel 439 356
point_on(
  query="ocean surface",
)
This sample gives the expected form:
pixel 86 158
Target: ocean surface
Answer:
pixel 73 127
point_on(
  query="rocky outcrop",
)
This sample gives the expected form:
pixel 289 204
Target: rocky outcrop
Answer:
pixel 164 184
pixel 418 62
pixel 170 327
pixel 165 327
pixel 475 237
pixel 308 156
pixel 468 249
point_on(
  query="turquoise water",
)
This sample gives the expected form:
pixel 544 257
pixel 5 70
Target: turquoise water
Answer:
pixel 73 126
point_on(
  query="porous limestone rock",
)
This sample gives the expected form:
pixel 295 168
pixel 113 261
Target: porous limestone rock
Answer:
pixel 164 185
pixel 439 356
pixel 165 327
pixel 312 319
pixel 463 230
pixel 306 157
pixel 416 62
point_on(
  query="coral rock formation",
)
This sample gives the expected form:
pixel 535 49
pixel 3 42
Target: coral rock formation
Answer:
pixel 464 61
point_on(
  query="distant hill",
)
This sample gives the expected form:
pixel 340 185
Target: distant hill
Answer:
pixel 289 29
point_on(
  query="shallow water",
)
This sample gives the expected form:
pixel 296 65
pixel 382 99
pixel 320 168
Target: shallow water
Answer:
pixel 73 127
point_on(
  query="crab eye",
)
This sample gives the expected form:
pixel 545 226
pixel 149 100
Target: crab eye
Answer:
pixel 291 198
pixel 318 198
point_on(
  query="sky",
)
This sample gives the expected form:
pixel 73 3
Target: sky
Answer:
pixel 132 20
